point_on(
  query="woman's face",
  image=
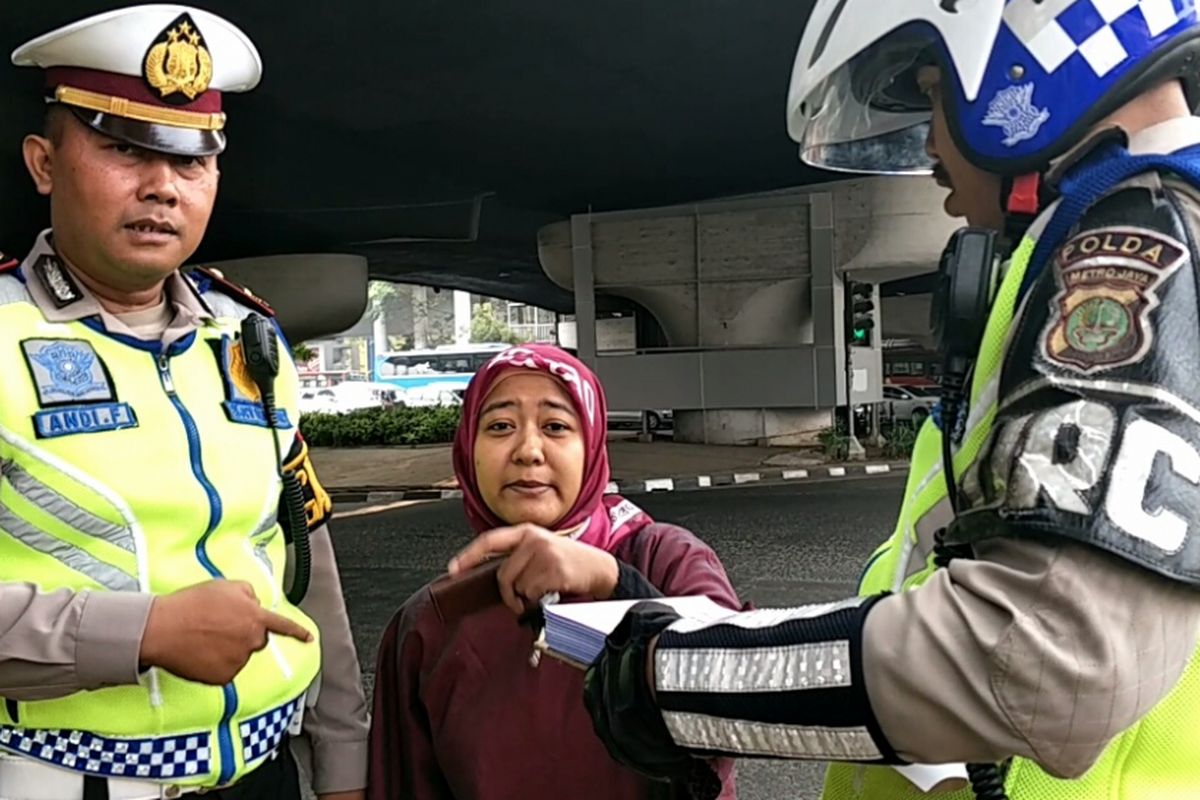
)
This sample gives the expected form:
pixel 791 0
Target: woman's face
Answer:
pixel 529 450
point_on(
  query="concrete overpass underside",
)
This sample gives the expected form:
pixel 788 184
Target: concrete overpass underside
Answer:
pixel 430 143
pixel 435 140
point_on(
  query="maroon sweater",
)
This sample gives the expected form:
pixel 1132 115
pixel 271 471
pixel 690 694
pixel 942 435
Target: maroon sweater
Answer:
pixel 460 712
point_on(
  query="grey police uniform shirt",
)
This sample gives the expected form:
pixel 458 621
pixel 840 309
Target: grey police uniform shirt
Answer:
pixel 53 644
pixel 1045 650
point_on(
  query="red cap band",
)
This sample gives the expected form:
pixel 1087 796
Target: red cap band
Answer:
pixel 126 86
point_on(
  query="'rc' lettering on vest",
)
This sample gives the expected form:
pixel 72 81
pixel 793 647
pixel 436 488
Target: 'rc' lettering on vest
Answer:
pixel 1061 453
pixel 1130 481
pixel 1046 464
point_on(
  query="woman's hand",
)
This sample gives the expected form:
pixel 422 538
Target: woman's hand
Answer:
pixel 540 562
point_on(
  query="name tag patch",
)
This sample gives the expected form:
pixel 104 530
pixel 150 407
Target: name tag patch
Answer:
pixel 92 418
pixel 244 405
pixel 248 413
pixel 66 372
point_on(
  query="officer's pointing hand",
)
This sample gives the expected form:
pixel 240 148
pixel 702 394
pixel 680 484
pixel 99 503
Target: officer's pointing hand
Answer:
pixel 207 632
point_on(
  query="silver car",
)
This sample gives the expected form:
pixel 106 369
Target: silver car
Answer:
pixel 656 419
pixel 908 404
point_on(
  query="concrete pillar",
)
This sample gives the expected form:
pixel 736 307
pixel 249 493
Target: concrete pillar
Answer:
pixel 462 317
pixel 583 282
pixel 420 314
pixel 379 336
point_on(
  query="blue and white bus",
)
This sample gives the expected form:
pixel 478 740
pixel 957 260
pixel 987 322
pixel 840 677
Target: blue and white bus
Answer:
pixel 445 368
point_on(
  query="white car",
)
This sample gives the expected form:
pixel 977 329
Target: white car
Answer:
pixel 349 396
pixel 908 404
pixel 432 396
pixel 318 400
pixel 655 419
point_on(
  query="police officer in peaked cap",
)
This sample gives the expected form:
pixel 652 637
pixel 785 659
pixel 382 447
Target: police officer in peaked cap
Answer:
pixel 156 639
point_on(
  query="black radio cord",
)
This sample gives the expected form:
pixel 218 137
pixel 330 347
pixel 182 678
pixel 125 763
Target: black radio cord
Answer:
pixel 260 348
pixel 292 509
pixel 987 782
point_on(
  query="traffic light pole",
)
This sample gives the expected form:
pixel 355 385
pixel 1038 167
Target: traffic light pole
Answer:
pixel 854 449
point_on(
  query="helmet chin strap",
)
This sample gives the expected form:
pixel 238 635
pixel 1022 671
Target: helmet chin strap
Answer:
pixel 1023 197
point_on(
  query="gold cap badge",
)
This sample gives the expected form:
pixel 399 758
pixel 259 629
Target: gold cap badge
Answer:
pixel 178 64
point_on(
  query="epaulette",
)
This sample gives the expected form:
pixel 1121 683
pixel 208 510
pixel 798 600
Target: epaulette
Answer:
pixel 7 263
pixel 216 280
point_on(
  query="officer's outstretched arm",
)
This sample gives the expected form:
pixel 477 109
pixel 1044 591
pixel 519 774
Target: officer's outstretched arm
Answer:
pixel 53 644
pixel 1077 614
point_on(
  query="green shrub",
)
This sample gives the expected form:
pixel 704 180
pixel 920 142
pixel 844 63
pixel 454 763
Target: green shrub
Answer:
pixel 836 443
pixel 900 441
pixel 381 426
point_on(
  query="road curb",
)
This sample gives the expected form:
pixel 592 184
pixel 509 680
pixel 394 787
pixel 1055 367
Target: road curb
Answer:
pixel 682 483
pixel 391 495
pixel 750 477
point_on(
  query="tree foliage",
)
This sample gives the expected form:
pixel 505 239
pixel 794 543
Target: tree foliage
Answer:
pixel 487 327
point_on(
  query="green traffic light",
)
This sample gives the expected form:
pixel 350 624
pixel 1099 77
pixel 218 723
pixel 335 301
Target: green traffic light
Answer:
pixel 859 334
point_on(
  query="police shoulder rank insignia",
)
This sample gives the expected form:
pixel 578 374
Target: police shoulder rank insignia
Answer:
pixel 209 278
pixel 178 65
pixel 56 281
pixel 1107 281
pixel 73 389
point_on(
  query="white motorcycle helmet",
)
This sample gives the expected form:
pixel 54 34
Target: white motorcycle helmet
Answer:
pixel 1022 80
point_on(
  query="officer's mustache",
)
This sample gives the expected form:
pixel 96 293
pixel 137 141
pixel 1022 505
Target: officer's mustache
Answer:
pixel 941 175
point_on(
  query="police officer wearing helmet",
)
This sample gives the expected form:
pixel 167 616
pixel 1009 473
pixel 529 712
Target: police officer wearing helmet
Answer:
pixel 1035 617
pixel 156 639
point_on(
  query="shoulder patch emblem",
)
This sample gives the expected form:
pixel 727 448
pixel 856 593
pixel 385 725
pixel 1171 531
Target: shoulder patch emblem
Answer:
pixel 67 371
pixel 1107 280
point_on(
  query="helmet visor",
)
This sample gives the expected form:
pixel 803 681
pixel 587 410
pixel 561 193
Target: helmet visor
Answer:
pixel 870 116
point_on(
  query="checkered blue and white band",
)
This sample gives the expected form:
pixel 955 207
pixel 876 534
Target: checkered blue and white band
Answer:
pixel 1055 63
pixel 1062 28
pixel 162 758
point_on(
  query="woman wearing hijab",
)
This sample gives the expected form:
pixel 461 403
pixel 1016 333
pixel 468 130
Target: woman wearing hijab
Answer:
pixel 459 710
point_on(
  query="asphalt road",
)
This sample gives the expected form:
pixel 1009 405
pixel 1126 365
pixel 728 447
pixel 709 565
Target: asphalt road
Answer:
pixel 783 545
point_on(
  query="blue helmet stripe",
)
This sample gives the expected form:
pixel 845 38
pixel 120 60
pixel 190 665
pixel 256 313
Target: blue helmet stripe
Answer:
pixel 1053 63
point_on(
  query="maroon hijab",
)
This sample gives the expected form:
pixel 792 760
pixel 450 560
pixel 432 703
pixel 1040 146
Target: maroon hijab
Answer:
pixel 609 518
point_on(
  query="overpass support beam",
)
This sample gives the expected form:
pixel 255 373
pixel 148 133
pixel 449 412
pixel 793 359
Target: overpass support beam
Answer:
pixel 749 294
pixel 584 284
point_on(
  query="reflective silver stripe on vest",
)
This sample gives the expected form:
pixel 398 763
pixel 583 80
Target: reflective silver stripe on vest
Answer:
pixel 915 558
pixel 702 732
pixel 66 554
pixel 258 541
pixel 67 511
